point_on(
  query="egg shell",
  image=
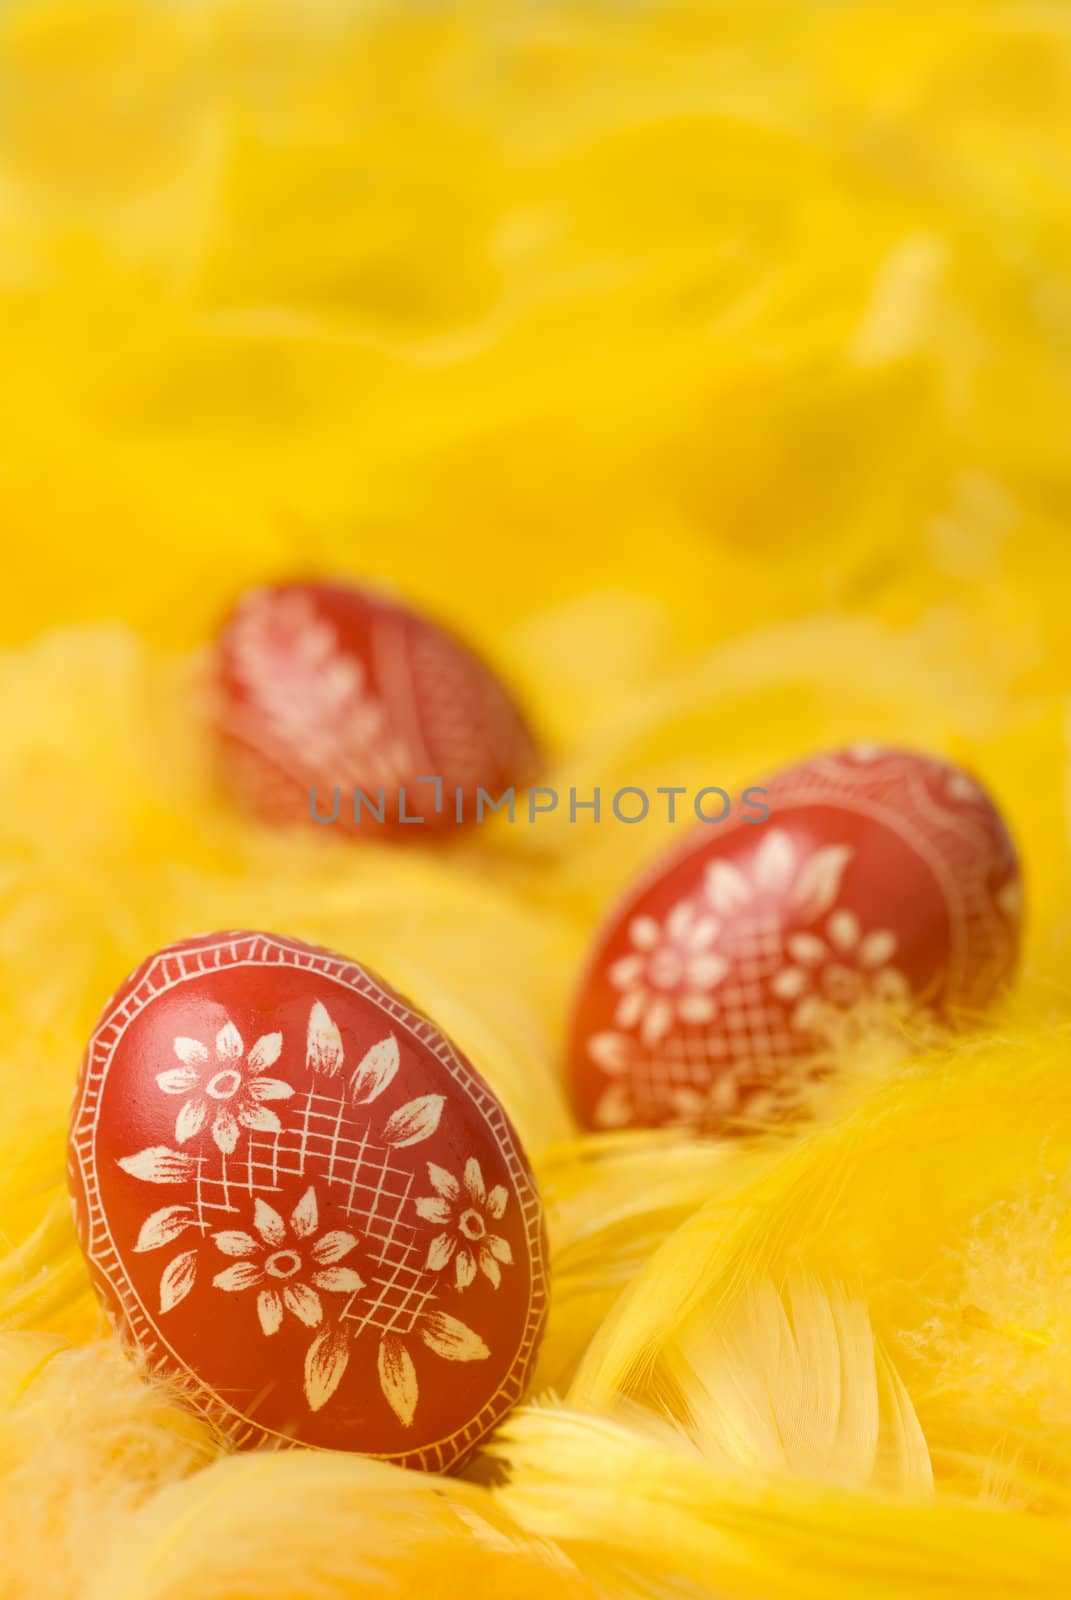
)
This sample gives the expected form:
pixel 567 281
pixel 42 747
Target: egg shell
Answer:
pixel 322 687
pixel 303 1205
pixel 882 881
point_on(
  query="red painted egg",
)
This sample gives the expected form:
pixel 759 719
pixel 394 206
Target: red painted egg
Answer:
pixel 304 1206
pixel 338 705
pixel 882 881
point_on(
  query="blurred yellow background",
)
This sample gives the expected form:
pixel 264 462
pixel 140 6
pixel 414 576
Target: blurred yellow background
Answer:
pixel 709 365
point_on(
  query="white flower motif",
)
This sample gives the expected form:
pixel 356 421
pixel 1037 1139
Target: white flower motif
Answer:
pixel 841 985
pixel 1009 899
pixel 313 694
pixel 618 1055
pixel 798 885
pixel 669 973
pixel 735 1095
pixel 807 884
pixel 462 1209
pixel 963 787
pixel 278 1262
pixel 446 1336
pixel 615 1107
pixel 328 1357
pixel 230 1089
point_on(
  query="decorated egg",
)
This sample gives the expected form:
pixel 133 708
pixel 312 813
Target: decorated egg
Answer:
pixel 303 1206
pixel 881 882
pixel 338 706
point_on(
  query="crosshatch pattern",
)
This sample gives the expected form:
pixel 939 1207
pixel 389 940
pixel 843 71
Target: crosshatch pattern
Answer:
pixel 327 1143
pixel 345 1157
pixel 742 1002
pixel 337 691
pixel 750 1032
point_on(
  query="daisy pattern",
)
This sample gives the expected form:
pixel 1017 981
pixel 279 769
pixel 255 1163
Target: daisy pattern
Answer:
pixel 288 1264
pixel 845 972
pixel 229 1088
pixel 463 1209
pixel 669 978
pixel 669 973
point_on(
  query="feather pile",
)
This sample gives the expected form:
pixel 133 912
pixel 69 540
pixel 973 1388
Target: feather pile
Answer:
pixel 709 367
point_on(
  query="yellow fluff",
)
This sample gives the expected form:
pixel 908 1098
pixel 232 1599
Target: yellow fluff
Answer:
pixel 708 366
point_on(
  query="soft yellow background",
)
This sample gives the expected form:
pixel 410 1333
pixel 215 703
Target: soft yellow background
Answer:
pixel 710 366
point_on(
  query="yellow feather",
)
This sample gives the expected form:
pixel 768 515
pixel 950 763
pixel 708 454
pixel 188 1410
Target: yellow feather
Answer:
pixel 708 367
pixel 628 1505
pixel 794 1382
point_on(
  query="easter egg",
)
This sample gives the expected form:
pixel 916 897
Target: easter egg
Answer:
pixel 882 882
pixel 303 1206
pixel 339 706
